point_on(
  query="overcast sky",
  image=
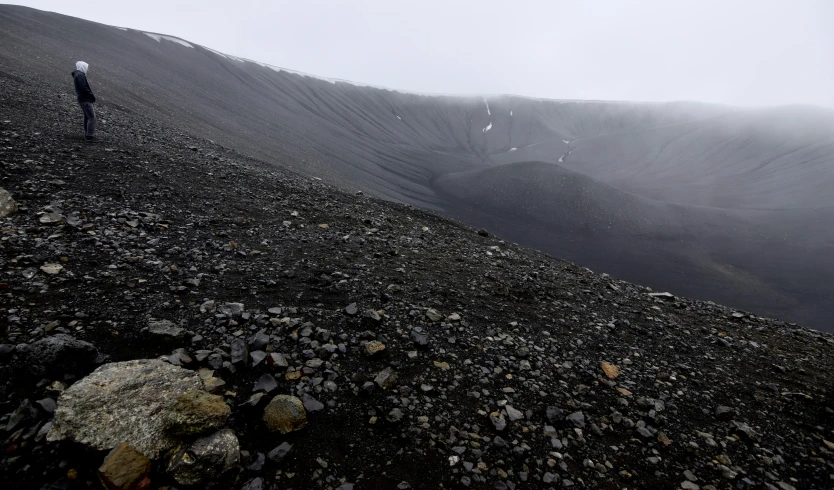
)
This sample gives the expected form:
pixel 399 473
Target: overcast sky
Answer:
pixel 757 52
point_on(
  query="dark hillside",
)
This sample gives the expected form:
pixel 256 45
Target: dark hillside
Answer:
pixel 769 171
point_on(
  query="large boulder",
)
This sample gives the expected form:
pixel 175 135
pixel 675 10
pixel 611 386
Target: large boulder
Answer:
pixel 59 353
pixel 145 403
pixel 7 204
pixel 205 459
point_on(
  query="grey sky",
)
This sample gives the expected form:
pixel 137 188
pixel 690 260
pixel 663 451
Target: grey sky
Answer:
pixel 757 52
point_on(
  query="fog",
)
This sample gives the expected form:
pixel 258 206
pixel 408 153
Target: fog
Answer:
pixel 750 53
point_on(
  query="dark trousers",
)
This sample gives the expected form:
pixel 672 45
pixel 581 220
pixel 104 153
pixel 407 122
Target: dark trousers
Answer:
pixel 89 119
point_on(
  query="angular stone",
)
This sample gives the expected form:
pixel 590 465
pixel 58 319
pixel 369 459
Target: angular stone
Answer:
pixel 265 383
pixel 279 452
pixel 277 359
pixel 498 421
pixel 386 379
pixel 52 219
pixel 433 315
pixel 7 205
pixel 420 337
pixel 577 419
pixel 514 414
pixel 311 404
pixel 253 484
pixel 373 347
pixel 239 351
pixel 610 370
pixel 165 329
pixel 554 415
pixel 259 341
pixel 123 402
pixel 59 353
pixel 206 459
pixel 52 269
pixel 233 310
pixel 124 468
pixel 285 414
pixel 257 357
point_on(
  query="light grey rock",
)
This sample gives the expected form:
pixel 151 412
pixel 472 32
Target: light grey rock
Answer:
pixel 123 402
pixel 7 205
pixel 351 309
pixel 433 315
pixel 206 459
pixel 165 329
pixel 498 421
pixel 232 310
pixel 386 379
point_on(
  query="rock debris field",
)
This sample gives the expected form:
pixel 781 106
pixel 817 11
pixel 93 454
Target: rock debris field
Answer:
pixel 176 315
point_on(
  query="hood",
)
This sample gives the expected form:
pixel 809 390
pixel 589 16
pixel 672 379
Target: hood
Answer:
pixel 82 67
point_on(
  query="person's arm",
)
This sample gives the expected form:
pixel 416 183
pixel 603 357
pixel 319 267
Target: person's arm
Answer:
pixel 88 90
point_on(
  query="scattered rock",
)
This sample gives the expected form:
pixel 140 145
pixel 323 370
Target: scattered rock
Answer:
pixel 7 205
pixel 351 309
pixel 433 315
pixel 386 379
pixel 577 419
pixel 205 459
pixel 265 383
pixel 165 329
pixel 373 347
pixel 52 219
pixel 311 404
pixel 52 269
pixel 279 452
pixel 124 468
pixel 285 414
pixel 610 370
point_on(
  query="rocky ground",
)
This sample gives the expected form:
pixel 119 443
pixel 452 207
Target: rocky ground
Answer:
pixel 177 315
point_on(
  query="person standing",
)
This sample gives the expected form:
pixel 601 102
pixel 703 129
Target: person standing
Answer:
pixel 86 99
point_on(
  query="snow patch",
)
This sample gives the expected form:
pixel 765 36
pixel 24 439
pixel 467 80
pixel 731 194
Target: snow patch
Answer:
pixel 561 158
pixel 567 142
pixel 120 28
pixel 159 37
pixel 398 117
pixel 511 113
pixel 487 105
pixel 513 149
pixel 228 57
pixel 488 127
